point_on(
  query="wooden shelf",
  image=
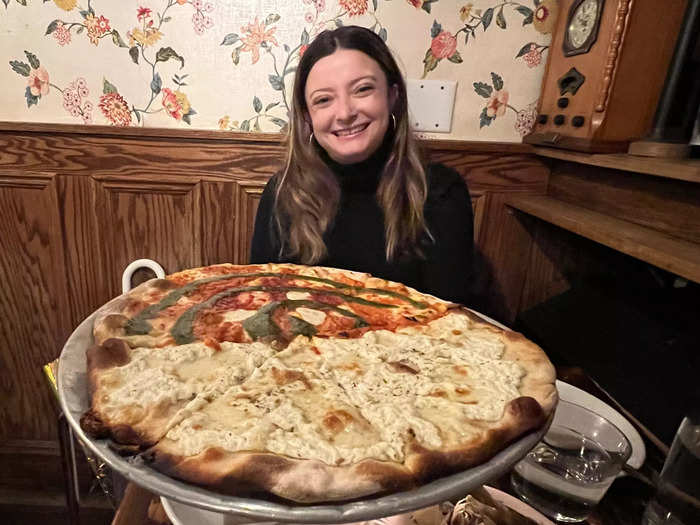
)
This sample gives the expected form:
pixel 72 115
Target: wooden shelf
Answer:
pixel 680 169
pixel 669 253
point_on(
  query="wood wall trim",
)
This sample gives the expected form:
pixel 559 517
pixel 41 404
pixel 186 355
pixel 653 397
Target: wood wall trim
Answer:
pixel 236 137
pixel 25 179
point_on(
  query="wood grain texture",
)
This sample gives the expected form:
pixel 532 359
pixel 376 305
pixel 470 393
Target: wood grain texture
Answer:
pixel 668 253
pixel 668 206
pixel 33 323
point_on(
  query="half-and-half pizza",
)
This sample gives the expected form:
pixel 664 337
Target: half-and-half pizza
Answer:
pixel 309 384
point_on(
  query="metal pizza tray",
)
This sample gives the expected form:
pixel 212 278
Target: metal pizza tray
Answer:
pixel 73 396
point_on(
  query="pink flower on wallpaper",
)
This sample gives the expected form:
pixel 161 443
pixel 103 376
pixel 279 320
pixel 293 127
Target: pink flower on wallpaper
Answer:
pixel 143 13
pixel 61 34
pixel 533 58
pixel 302 49
pixel 256 35
pixel 96 27
pixel 497 104
pixel 444 45
pixel 38 82
pixel 354 7
pixel 175 103
pixel 416 3
pixel 115 108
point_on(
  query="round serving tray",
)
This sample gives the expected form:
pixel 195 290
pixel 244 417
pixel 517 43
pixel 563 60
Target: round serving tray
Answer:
pixel 73 396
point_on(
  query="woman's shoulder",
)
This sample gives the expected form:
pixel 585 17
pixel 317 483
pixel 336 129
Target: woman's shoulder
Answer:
pixel 444 182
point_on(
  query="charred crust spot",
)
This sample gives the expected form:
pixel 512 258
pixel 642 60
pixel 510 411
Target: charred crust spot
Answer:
pixel 126 435
pixel 526 410
pixel 403 366
pixel 337 420
pixel 93 425
pixel 456 332
pixel 284 377
pixel 462 391
pixel 111 353
pixel 114 321
pixel 438 393
pixel 461 370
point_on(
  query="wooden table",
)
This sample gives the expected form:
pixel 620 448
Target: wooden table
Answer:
pixel 623 504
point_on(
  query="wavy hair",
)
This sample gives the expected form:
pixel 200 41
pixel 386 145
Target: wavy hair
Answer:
pixel 307 196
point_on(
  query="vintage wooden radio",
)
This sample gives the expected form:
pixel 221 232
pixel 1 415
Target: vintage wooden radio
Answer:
pixel 606 68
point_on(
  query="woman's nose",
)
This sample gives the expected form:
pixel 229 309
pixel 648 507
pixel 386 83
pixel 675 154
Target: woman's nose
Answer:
pixel 346 109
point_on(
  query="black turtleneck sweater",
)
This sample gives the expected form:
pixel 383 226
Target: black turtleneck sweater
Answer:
pixel 355 240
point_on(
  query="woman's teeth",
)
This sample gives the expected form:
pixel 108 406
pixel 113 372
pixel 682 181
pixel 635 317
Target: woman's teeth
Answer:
pixel 351 131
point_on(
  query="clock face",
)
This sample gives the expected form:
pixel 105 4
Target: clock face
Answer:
pixel 582 23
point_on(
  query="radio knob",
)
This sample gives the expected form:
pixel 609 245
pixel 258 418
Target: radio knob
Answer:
pixel 577 121
pixel 542 119
pixel 563 102
pixel 559 120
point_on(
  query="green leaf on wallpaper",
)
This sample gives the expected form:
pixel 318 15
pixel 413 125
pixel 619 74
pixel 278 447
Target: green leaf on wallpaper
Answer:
pixel 430 62
pixel 338 22
pixel 156 83
pixel 134 54
pixel 245 125
pixel 52 27
pixel 304 37
pixel 117 39
pixel 527 13
pixel 272 18
pixel 107 87
pixel 483 89
pixel 286 48
pixel 20 67
pixel 236 55
pixel 435 30
pixel 487 17
pixel 33 60
pixel 484 119
pixel 31 99
pixel 426 7
pixel 257 105
pixel 497 81
pixel 383 34
pixel 256 126
pixel 500 19
pixel 137 114
pixel 167 19
pixel 5 2
pixel 374 4
pixel 166 53
pixel 229 39
pixel 456 58
pixel 523 50
pixel 186 118
pixel 84 13
pixel 270 106
pixel 22 2
pixel 278 122
pixel 276 82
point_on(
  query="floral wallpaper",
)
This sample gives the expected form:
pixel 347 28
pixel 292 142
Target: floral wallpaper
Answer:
pixel 229 64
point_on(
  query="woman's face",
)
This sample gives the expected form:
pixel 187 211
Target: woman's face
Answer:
pixel 349 103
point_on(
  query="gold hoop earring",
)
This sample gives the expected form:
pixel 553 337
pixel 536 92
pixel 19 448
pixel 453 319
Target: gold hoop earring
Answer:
pixel 393 120
pixel 311 138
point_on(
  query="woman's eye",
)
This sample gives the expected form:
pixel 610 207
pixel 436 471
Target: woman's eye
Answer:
pixel 365 89
pixel 321 100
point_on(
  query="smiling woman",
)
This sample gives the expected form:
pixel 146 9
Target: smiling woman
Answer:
pixel 355 192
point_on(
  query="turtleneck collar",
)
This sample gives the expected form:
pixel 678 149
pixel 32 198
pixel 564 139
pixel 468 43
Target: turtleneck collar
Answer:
pixel 361 177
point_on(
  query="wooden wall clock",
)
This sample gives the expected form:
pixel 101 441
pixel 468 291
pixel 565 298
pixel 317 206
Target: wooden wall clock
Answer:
pixel 606 68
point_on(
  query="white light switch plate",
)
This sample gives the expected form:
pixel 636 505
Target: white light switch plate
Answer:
pixel 430 104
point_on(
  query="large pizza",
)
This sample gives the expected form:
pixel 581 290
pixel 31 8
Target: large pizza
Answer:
pixel 309 384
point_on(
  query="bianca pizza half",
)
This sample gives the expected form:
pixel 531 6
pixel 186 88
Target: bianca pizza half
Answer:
pixel 307 383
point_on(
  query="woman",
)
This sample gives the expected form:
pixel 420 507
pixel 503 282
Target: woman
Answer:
pixel 354 193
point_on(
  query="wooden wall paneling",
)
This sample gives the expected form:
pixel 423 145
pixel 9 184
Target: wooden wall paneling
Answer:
pixel 33 321
pixel 502 258
pixel 147 218
pixel 247 206
pixel 85 271
pixel 666 205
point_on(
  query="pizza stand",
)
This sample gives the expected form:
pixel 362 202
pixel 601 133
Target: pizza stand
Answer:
pixel 74 401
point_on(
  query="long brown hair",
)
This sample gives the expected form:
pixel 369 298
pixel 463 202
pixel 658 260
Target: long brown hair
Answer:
pixel 308 193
